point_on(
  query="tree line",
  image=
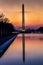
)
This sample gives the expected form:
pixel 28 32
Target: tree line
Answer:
pixel 5 27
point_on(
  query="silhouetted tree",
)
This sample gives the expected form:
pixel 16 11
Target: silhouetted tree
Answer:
pixel 5 27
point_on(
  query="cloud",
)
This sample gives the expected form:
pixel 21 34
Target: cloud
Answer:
pixel 35 2
pixel 10 2
pixel 15 2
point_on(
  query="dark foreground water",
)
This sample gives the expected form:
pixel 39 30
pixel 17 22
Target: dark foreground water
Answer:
pixel 33 51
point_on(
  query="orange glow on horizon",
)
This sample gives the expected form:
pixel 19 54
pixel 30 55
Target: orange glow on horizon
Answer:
pixel 34 17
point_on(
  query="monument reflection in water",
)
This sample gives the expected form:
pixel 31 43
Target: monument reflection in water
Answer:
pixel 33 51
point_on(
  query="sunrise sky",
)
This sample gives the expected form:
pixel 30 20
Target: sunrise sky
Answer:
pixel 12 9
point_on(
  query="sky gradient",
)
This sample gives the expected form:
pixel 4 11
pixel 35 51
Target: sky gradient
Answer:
pixel 12 10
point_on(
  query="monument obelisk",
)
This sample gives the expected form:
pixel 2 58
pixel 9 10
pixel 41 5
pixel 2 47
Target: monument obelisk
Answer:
pixel 23 36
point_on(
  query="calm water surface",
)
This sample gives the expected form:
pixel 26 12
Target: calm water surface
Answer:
pixel 33 51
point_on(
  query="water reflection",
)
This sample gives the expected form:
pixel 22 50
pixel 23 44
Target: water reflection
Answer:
pixel 5 45
pixel 33 51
